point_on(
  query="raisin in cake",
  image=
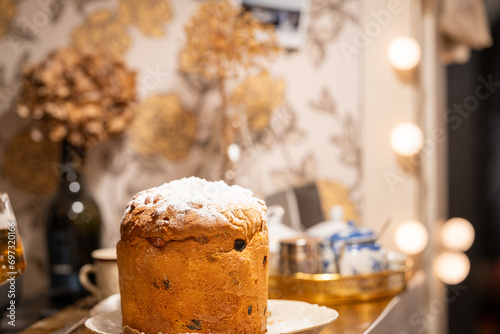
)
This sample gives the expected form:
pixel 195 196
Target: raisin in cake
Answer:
pixel 193 259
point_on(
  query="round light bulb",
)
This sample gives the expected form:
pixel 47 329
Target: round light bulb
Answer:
pixel 452 267
pixel 411 237
pixel 407 139
pixel 457 234
pixel 404 53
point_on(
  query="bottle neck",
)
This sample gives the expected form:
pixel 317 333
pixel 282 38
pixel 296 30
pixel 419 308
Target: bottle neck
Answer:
pixel 72 164
pixel 71 181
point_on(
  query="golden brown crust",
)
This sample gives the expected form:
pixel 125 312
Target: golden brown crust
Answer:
pixel 153 213
pixel 186 271
pixel 180 288
pixel 147 221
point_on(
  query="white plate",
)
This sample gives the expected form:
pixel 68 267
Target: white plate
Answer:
pixel 285 317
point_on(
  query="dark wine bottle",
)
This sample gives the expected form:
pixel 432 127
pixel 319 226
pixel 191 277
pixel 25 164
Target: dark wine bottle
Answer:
pixel 73 226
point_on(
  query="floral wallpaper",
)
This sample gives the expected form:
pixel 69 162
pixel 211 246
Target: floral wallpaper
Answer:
pixel 302 113
pixel 170 134
pixel 108 29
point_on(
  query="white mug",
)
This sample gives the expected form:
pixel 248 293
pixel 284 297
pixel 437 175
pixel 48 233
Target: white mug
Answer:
pixel 105 269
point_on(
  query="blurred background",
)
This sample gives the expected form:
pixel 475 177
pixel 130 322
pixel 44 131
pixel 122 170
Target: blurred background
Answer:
pixel 473 185
pixel 319 113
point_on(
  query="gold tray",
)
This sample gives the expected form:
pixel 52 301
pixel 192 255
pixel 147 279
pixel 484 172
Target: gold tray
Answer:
pixel 334 289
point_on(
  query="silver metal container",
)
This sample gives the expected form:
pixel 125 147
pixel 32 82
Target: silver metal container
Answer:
pixel 300 255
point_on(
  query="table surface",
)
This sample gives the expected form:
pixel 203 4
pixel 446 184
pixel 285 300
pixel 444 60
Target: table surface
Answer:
pixel 353 318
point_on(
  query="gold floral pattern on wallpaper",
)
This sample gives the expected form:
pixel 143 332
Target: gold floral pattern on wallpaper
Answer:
pixel 334 193
pixel 30 165
pixel 104 30
pixel 148 15
pixel 222 39
pixel 168 127
pixel 259 96
pixel 7 13
pixel 108 29
pixel 225 44
pixel 163 126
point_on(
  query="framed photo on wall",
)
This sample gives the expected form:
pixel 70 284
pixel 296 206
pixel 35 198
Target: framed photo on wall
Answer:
pixel 290 17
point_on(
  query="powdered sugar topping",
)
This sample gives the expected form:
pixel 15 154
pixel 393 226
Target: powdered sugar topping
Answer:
pixel 193 192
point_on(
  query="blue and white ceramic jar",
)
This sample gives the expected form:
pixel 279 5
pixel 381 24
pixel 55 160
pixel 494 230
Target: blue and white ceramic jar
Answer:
pixel 361 257
pixel 357 251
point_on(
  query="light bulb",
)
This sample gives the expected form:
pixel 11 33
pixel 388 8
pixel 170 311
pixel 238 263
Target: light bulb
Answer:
pixel 404 53
pixel 407 139
pixel 411 237
pixel 457 234
pixel 452 267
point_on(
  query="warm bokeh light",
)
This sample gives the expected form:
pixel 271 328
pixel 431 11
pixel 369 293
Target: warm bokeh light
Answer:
pixel 452 267
pixel 407 139
pixel 457 234
pixel 234 152
pixel 411 237
pixel 404 53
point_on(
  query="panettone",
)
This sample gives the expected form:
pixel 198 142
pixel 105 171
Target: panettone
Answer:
pixel 193 259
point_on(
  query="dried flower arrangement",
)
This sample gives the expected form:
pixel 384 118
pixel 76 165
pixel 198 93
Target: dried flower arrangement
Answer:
pixel 222 39
pixel 83 97
pixel 224 43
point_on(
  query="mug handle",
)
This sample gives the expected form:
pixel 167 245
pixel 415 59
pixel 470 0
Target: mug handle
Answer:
pixel 83 276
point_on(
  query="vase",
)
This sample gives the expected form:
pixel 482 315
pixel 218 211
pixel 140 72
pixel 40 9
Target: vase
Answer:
pixel 73 227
